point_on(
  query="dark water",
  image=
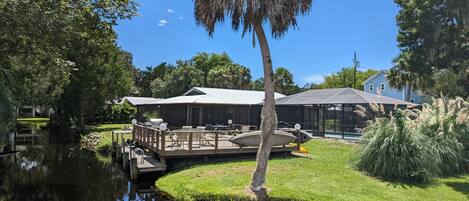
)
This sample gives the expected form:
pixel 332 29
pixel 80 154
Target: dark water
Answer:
pixel 47 168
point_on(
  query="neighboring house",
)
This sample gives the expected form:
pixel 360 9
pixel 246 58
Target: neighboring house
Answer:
pixel 143 104
pixel 33 111
pixel 379 85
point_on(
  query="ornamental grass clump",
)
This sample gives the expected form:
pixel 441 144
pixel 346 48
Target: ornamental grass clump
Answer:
pixel 446 123
pixel 390 150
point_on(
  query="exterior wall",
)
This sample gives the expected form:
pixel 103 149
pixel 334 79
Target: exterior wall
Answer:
pixel 389 91
pixel 178 115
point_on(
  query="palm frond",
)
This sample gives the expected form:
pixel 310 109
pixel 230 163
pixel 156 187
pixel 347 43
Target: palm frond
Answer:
pixel 280 14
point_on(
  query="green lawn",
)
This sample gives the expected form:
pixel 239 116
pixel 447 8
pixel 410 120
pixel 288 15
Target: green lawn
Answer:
pixel 105 132
pixel 329 175
pixel 36 121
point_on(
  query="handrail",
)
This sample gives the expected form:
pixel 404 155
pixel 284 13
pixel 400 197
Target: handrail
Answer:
pixel 192 141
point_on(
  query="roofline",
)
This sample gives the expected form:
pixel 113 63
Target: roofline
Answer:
pixel 198 89
pixel 191 90
pixel 375 75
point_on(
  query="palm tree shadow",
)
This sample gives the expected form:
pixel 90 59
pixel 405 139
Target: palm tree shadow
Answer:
pixel 176 165
pixel 462 187
pixel 208 196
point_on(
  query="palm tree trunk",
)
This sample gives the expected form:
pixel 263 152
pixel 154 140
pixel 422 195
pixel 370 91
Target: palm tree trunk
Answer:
pixel 268 117
pixel 407 92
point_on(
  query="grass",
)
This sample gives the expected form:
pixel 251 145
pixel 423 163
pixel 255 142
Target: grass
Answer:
pixel 36 121
pixel 105 132
pixel 329 175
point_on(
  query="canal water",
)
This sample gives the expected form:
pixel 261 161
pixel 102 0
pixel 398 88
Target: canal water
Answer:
pixel 49 168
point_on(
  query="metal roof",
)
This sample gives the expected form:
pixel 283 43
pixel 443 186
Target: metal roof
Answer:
pixel 337 96
pixel 141 100
pixel 203 95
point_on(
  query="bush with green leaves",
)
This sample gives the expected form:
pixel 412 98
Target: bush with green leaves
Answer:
pixel 115 113
pixel 390 150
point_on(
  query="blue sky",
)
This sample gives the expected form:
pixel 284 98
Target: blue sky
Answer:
pixel 323 43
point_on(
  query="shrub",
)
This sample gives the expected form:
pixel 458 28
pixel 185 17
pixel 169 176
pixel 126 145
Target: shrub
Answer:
pixel 115 113
pixel 123 113
pixel 446 122
pixel 390 150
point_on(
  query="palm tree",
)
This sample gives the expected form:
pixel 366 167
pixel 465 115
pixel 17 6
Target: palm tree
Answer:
pixel 250 16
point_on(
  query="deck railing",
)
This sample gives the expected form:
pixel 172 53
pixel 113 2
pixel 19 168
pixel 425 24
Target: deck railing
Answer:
pixel 186 141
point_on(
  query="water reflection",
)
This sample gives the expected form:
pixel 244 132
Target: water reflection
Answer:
pixel 46 169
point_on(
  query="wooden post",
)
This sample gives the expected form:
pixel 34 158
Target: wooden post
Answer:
pixel 298 144
pixel 118 151
pixel 163 160
pixel 216 142
pixel 163 139
pixel 114 147
pixel 152 139
pixel 125 158
pixel 133 131
pixel 133 168
pixel 190 141
pixel 157 141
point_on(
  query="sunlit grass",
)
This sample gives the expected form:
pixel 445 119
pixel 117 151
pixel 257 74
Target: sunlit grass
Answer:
pixel 36 121
pixel 328 175
pixel 105 133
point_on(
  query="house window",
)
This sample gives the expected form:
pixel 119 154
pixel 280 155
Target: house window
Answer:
pixel 395 88
pixel 412 100
pixel 370 87
pixel 382 87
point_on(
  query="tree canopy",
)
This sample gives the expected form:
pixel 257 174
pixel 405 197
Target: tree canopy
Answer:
pixel 345 78
pixel 231 76
pixel 64 53
pixel 434 52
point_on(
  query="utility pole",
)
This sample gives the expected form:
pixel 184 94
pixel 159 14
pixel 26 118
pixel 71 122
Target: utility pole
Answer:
pixel 356 64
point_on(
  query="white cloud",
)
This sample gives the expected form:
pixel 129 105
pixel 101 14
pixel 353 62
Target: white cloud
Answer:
pixel 316 78
pixel 181 17
pixel 162 23
pixel 170 10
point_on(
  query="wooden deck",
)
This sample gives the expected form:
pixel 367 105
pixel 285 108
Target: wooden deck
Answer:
pixel 144 163
pixel 162 145
pixel 193 142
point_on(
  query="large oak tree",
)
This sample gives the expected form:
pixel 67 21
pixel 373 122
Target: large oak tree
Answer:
pixel 434 46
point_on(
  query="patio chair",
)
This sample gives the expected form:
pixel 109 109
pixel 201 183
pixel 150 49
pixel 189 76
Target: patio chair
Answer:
pixel 197 137
pixel 245 128
pixel 181 138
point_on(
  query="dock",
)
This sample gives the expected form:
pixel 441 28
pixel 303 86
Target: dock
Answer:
pixel 155 146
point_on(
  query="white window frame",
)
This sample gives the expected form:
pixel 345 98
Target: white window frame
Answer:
pixel 371 87
pixel 382 86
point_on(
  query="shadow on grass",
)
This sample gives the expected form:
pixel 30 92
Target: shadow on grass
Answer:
pixel 409 185
pixel 176 165
pixel 462 187
pixel 216 197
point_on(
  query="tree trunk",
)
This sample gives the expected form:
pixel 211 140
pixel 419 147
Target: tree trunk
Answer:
pixel 268 117
pixel 407 92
